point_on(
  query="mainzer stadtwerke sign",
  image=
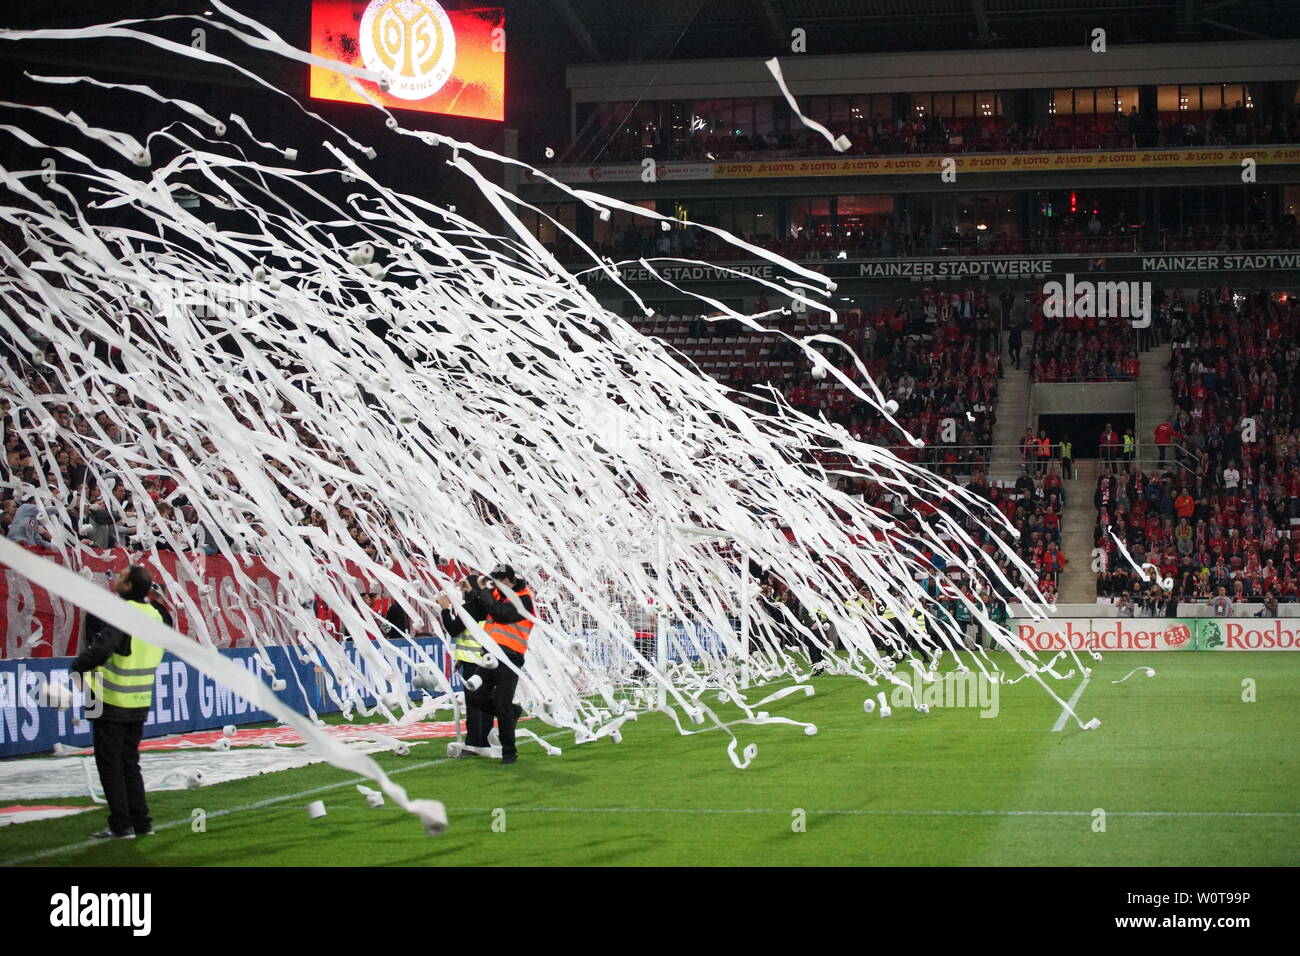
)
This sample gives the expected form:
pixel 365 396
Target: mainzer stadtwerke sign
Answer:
pixel 980 267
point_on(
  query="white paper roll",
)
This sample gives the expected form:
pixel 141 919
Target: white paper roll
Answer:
pixel 432 814
pixel 316 809
pixel 58 696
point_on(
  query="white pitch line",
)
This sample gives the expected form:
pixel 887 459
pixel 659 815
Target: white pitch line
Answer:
pixel 259 805
pixel 85 844
pixel 898 813
pixel 1065 714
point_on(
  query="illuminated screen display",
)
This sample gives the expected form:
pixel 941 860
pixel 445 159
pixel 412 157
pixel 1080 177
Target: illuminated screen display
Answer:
pixel 442 56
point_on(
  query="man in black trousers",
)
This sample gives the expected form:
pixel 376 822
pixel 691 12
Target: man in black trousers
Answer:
pixel 121 673
pixel 508 603
pixel 468 654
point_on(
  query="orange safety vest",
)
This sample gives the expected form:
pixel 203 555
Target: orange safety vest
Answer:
pixel 513 637
pixel 1045 448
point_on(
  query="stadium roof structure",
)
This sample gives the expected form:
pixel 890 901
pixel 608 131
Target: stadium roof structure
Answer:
pixel 620 30
pixel 598 30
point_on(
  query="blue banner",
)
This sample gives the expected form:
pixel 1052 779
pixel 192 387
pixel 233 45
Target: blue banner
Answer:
pixel 184 699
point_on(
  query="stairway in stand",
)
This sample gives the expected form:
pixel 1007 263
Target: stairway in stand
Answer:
pixel 1013 416
pixel 1155 403
pixel 1078 584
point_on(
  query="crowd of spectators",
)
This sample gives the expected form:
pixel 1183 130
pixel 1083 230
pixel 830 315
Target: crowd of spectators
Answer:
pixel 1083 350
pixel 886 238
pixel 1033 506
pixel 56 454
pixel 1237 125
pixel 935 354
pixel 1217 517
pixel 89 505
pixel 1099 349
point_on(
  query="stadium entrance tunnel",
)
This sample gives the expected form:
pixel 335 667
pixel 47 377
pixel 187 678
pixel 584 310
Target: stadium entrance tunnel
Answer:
pixel 1084 431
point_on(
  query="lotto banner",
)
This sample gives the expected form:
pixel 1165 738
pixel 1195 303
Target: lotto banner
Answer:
pixel 1011 162
pixel 931 165
pixel 1159 634
pixel 440 56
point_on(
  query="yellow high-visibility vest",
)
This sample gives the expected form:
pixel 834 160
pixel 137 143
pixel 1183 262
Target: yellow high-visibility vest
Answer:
pixel 467 648
pixel 126 680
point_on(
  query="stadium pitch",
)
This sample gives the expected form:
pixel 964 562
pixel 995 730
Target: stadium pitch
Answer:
pixel 1184 770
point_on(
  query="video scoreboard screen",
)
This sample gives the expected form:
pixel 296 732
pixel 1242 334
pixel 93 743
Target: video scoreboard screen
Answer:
pixel 440 56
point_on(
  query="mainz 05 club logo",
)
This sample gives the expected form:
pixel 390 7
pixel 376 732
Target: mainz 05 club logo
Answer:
pixel 412 43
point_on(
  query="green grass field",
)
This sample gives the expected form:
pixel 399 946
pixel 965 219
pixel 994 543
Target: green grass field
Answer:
pixel 1187 773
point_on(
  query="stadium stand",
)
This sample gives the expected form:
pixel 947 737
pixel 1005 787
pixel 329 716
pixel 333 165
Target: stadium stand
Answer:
pixel 637 130
pixel 1222 512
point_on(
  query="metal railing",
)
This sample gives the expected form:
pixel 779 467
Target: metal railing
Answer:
pixel 1174 460
pixel 1147 461
pixel 1082 380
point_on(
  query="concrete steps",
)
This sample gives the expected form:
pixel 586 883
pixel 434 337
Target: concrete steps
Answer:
pixel 1154 401
pixel 1013 416
pixel 1078 583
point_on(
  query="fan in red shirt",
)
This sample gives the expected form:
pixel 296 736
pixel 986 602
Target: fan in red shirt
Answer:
pixel 329 621
pixel 1052 520
pixel 1053 561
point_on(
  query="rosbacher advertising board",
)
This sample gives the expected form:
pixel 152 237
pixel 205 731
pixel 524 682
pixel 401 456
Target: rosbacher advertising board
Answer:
pixel 1160 634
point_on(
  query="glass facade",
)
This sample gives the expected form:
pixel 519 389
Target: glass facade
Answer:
pixel 963 105
pixel 1102 117
pixel 1203 98
pixel 1094 101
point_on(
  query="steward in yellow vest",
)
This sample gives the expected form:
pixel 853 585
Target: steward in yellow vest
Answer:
pixel 468 653
pixel 468 650
pixel 119 669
